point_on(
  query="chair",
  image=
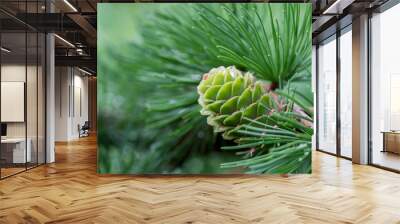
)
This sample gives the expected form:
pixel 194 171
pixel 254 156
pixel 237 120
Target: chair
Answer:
pixel 84 130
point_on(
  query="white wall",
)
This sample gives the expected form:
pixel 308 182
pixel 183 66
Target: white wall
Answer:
pixel 62 82
pixel 71 102
pixel 80 109
pixel 12 73
pixel 33 126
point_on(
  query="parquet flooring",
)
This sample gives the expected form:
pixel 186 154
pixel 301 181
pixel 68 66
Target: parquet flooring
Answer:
pixel 70 191
pixel 11 170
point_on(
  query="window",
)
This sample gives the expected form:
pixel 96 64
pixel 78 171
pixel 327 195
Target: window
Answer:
pixel 327 96
pixel 346 93
pixel 385 89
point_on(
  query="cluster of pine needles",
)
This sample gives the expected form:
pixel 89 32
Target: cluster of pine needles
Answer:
pixel 163 130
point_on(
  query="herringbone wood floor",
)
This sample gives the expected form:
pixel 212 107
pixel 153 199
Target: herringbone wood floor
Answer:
pixel 70 191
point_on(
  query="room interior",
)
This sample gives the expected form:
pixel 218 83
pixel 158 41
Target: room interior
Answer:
pixel 334 104
pixel 22 102
pixel 37 67
pixel 385 106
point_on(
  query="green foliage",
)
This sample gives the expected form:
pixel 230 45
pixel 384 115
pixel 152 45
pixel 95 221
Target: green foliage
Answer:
pixel 149 119
pixel 280 145
pixel 273 131
pixel 270 40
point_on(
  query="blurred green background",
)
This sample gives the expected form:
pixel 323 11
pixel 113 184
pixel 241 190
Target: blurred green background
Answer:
pixel 121 104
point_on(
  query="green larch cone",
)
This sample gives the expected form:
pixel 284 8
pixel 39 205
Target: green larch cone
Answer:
pixel 228 97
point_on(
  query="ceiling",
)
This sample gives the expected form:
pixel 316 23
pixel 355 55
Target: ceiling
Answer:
pixel 75 22
pixel 332 15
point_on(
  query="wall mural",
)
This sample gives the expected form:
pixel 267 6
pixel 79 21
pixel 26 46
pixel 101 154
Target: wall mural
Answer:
pixel 204 88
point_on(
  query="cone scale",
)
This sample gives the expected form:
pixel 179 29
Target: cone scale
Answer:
pixel 229 96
